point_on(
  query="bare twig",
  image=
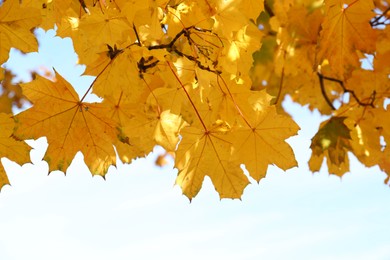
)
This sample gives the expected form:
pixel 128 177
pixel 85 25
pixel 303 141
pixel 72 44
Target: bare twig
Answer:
pixel 377 20
pixel 84 6
pixel 136 35
pixel 321 78
pixel 268 9
pixel 345 90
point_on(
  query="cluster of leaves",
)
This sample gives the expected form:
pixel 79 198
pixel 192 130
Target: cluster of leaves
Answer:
pixel 203 79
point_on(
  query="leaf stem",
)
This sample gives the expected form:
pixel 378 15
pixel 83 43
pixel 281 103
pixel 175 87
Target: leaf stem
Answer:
pixel 235 103
pixel 189 97
pixel 94 81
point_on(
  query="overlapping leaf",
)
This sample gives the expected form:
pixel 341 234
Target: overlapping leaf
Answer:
pixel 186 75
pixel 16 23
pixel 345 30
pixel 332 141
pixel 10 147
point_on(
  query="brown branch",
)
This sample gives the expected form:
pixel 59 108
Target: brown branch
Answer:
pixel 136 35
pixel 84 6
pixel 197 62
pixel 268 9
pixel 345 90
pixel 375 21
pixel 169 45
pixel 321 78
pixel 281 79
pixel 280 87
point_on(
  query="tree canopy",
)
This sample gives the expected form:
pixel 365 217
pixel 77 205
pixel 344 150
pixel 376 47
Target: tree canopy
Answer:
pixel 204 80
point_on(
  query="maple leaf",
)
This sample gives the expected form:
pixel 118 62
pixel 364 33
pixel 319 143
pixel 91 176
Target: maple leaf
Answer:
pixel 51 11
pixel 188 13
pixel 70 125
pixel 16 23
pixel 332 141
pixel 382 56
pixel 114 80
pixel 209 153
pixel 101 28
pixel 238 55
pixel 10 147
pixel 260 141
pixel 346 29
pixel 370 135
pixel 377 86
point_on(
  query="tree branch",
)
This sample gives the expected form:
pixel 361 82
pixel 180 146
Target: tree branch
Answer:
pixel 376 21
pixel 345 90
pixel 321 78
pixel 268 9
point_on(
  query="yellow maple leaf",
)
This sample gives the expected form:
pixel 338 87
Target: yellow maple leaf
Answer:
pixel 148 20
pixel 237 57
pixel 209 153
pixel 186 14
pixel 101 28
pixel 10 147
pixel 131 7
pixel 260 141
pixel 370 135
pixel 16 23
pixel 369 86
pixel 142 126
pixel 121 111
pixel 345 30
pixel 52 11
pixel 69 125
pixel 382 56
pixel 227 16
pixel 114 79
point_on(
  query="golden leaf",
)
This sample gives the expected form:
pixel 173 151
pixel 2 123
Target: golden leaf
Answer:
pixel 15 25
pixel 208 153
pixel 10 147
pixel 345 30
pixel 69 125
pixel 260 141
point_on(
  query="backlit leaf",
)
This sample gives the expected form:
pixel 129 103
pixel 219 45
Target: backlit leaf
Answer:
pixel 10 147
pixel 70 125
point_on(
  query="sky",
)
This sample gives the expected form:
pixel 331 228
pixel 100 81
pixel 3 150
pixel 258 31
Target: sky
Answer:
pixel 138 213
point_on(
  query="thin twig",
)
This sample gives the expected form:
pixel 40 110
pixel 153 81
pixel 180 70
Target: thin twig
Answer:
pixel 321 78
pixel 375 21
pixel 345 90
pixel 136 35
pixel 281 80
pixel 84 6
pixel 268 9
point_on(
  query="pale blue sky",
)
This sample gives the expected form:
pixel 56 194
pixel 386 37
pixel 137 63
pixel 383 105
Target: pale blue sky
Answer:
pixel 137 213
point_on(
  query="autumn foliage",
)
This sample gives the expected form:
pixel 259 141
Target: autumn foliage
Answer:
pixel 205 80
